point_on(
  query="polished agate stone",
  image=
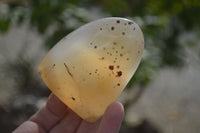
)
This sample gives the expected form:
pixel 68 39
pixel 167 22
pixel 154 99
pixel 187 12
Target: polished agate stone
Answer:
pixel 88 69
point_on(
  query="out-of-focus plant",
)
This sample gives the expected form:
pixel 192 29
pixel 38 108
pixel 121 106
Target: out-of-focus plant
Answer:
pixel 162 22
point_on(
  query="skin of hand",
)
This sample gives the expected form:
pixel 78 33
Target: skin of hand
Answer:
pixel 56 117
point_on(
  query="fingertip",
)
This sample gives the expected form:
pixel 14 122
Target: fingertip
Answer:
pixel 112 118
pixel 29 127
pixel 115 111
pixel 56 106
pixel 116 108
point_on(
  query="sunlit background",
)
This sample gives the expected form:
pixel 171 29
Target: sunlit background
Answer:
pixel 162 97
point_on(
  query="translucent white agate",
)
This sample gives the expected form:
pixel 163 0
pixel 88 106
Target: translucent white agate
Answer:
pixel 89 68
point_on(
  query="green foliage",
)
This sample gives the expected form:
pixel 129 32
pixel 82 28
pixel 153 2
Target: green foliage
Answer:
pixel 145 73
pixel 45 13
pixel 161 21
pixel 4 25
pixel 4 19
pixel 57 35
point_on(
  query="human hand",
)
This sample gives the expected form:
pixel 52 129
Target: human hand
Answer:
pixel 56 117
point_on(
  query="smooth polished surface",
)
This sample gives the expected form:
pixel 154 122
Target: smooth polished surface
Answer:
pixel 89 68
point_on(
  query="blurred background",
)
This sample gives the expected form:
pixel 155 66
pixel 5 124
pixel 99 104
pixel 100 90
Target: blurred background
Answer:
pixel 163 95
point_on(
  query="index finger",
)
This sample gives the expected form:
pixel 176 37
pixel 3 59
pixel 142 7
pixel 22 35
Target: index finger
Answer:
pixel 50 114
